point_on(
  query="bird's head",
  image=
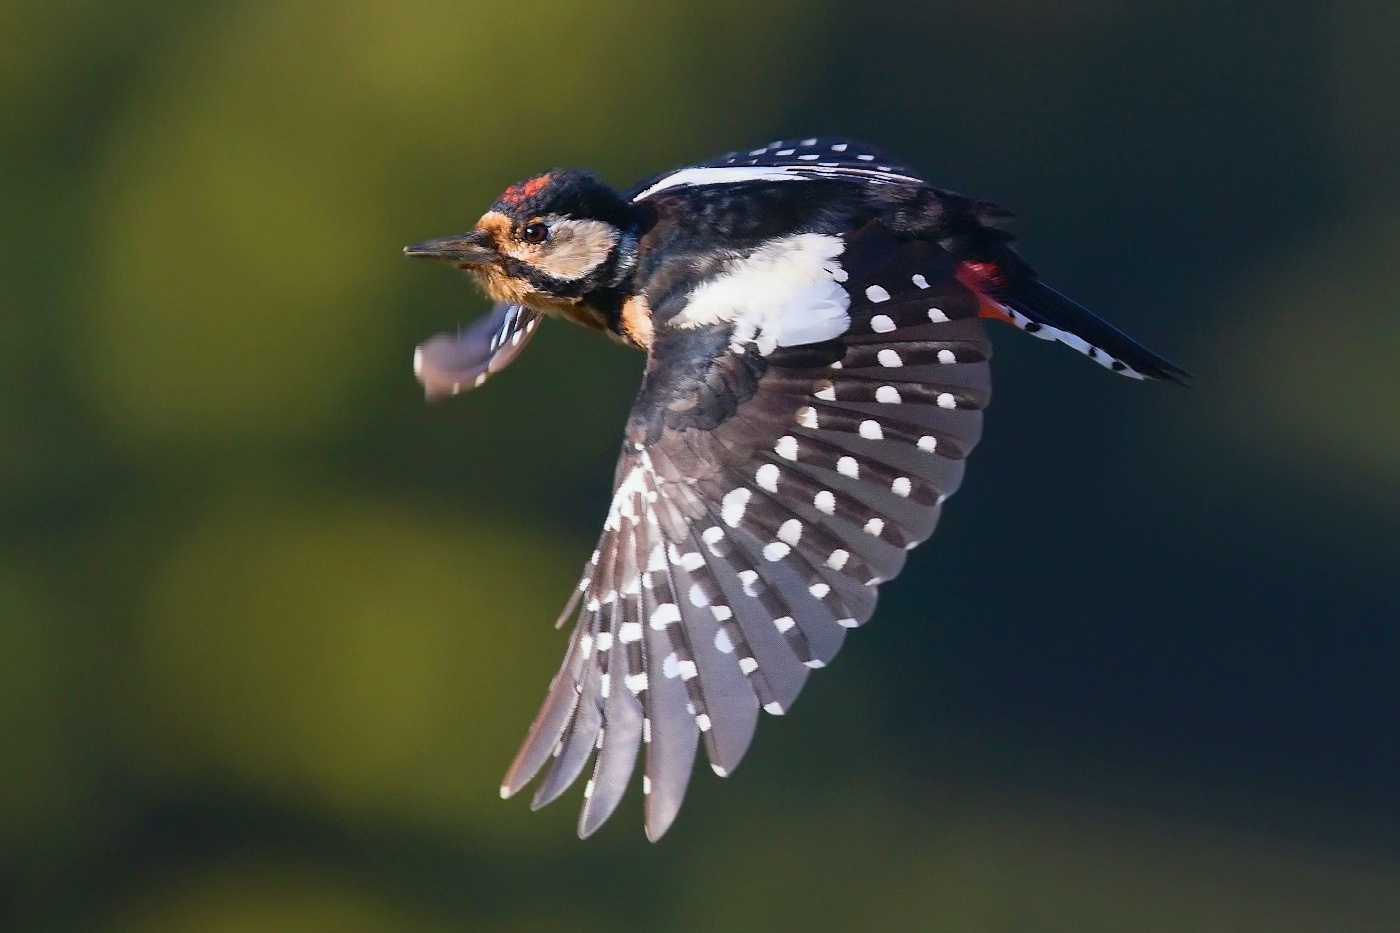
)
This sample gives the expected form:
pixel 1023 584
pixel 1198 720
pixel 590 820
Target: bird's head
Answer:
pixel 546 243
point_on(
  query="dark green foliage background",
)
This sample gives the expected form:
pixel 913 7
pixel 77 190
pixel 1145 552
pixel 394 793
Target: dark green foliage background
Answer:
pixel 271 627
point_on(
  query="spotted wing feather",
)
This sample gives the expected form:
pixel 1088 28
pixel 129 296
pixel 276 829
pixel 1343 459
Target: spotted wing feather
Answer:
pixel 763 494
pixel 449 363
pixel 820 151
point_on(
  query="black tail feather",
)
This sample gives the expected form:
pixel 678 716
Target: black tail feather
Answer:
pixel 1044 308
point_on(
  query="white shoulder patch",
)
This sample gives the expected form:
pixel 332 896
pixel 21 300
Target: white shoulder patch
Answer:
pixel 733 174
pixel 723 175
pixel 784 294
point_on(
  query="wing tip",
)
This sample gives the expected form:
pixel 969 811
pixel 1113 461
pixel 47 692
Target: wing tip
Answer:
pixel 546 795
pixel 659 818
pixel 516 778
pixel 590 820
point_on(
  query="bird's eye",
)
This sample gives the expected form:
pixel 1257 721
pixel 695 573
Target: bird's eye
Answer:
pixel 535 233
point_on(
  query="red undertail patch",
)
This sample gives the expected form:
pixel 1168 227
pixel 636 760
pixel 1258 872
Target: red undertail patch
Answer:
pixel 982 277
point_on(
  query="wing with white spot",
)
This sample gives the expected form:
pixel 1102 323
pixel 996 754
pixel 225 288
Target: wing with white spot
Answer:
pixel 449 363
pixel 766 489
pixel 785 160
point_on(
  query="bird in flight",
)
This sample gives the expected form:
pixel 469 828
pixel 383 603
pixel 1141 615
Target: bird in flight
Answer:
pixel 817 366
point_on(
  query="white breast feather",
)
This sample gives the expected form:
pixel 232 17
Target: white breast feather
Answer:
pixel 784 294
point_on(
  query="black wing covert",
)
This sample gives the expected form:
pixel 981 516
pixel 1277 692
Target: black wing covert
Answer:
pixel 763 494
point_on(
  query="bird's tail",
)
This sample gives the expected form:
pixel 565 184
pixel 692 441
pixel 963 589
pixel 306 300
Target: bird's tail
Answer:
pixel 1038 309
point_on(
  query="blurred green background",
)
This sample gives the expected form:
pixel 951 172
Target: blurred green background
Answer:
pixel 271 627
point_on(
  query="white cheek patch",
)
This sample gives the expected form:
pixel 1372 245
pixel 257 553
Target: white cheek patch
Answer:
pixel 784 294
pixel 574 248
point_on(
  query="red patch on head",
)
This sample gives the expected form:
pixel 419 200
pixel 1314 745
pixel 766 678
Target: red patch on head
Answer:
pixel 525 189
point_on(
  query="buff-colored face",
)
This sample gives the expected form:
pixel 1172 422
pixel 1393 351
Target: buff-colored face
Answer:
pixel 547 249
pixel 547 243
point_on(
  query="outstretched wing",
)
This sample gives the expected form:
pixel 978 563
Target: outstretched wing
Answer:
pixel 767 487
pixel 785 160
pixel 448 363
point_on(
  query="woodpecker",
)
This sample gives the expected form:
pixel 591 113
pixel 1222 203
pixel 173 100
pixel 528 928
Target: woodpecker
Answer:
pixel 813 316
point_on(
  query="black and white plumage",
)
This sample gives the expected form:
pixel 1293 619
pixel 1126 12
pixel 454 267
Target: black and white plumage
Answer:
pixel 813 315
pixel 449 363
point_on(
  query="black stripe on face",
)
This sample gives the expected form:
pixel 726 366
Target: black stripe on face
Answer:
pixel 604 275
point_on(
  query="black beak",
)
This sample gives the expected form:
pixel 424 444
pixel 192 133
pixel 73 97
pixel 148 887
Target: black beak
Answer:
pixel 464 250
